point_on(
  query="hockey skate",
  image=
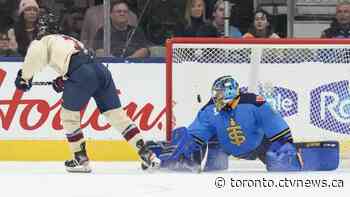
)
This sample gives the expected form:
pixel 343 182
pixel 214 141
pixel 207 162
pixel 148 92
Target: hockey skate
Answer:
pixel 150 162
pixel 149 159
pixel 80 162
pixel 76 165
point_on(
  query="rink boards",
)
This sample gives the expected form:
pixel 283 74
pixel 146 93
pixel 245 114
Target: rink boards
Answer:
pixel 30 128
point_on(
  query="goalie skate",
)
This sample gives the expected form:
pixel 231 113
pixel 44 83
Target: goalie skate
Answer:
pixel 76 166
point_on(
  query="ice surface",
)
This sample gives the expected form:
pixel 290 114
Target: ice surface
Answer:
pixel 121 179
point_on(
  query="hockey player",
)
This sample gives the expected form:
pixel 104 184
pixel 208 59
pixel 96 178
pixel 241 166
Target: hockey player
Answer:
pixel 80 78
pixel 245 126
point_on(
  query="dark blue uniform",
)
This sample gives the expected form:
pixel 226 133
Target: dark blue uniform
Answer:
pixel 87 79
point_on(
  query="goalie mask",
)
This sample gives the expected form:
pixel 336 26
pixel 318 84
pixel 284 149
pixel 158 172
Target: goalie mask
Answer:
pixel 225 89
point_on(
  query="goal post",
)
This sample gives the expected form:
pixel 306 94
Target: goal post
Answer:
pixel 306 80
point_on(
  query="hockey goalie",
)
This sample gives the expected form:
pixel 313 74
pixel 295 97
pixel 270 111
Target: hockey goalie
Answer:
pixel 245 126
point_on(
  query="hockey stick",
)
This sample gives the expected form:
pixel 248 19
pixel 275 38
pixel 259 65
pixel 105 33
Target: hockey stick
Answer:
pixel 42 83
pixel 204 160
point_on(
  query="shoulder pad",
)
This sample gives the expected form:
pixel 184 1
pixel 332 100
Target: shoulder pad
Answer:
pixel 250 98
pixel 210 102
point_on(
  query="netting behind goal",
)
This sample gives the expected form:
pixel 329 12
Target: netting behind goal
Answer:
pixel 307 81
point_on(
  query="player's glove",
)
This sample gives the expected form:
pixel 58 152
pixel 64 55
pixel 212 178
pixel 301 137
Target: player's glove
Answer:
pixel 22 84
pixel 58 84
pixel 149 159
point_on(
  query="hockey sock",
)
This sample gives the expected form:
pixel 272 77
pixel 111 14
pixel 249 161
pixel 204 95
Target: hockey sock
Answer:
pixel 119 120
pixel 77 145
pixel 71 124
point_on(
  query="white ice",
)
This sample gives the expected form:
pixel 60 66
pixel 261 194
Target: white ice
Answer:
pixel 121 179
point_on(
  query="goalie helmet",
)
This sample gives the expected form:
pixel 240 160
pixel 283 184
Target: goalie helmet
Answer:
pixel 225 89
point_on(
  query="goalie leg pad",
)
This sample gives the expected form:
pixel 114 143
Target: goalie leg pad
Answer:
pixel 319 156
pixel 307 156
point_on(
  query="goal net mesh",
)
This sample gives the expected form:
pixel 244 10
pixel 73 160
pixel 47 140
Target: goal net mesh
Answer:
pixel 307 82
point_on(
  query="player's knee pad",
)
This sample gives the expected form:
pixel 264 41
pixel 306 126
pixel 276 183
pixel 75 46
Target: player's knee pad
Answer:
pixel 285 158
pixel 70 120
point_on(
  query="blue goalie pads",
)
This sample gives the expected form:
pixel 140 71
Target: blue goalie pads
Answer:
pixel 284 158
pixel 186 152
pixel 306 156
pixel 319 156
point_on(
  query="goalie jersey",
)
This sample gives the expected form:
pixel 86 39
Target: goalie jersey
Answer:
pixel 242 127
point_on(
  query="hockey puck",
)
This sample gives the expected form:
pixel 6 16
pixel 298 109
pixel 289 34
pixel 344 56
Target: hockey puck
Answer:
pixel 199 99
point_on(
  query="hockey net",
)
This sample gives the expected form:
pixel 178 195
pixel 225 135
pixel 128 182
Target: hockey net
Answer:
pixel 306 80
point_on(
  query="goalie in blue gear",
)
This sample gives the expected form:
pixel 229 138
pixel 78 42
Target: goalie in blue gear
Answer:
pixel 245 126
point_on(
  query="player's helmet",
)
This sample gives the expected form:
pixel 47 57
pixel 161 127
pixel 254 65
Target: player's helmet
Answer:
pixel 224 90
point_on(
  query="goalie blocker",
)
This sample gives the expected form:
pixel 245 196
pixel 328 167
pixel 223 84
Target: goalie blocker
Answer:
pixel 185 153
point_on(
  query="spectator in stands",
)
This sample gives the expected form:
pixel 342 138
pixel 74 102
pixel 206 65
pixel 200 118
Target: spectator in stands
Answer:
pixel 26 28
pixel 194 18
pixel 261 26
pixel 126 41
pixel 8 45
pixel 219 23
pixel 209 6
pixel 94 20
pixel 340 27
pixel 8 12
pixel 161 18
pixel 133 6
pixel 72 22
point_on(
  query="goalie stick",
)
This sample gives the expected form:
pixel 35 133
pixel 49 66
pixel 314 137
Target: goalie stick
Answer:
pixel 204 160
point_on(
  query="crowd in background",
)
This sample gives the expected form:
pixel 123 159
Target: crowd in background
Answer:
pixel 139 28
